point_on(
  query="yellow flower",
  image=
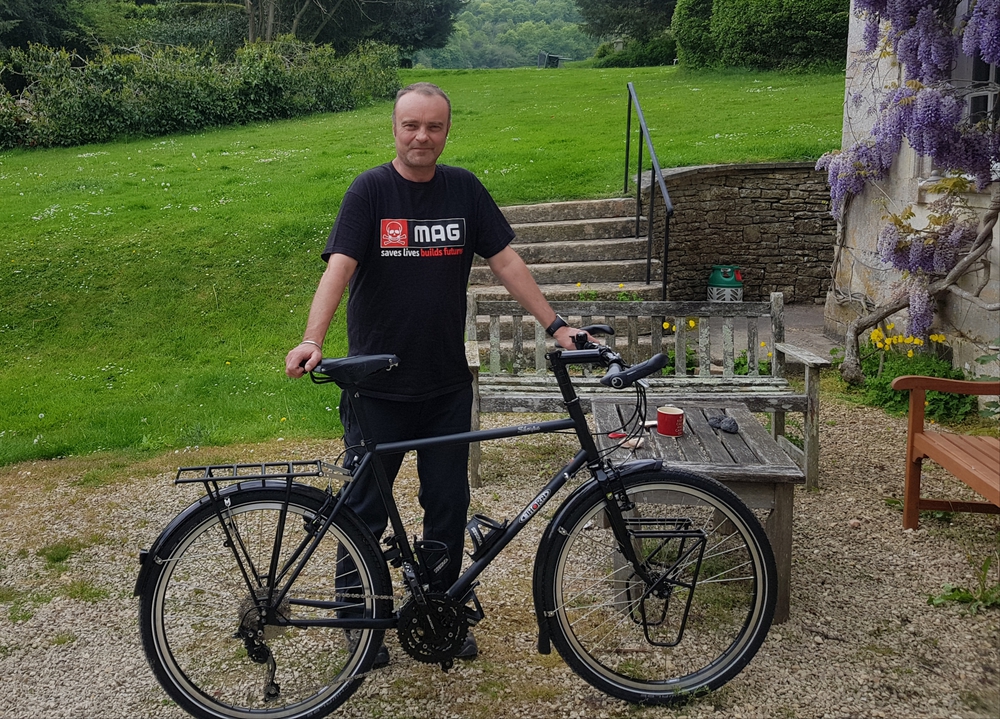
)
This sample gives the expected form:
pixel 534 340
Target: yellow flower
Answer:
pixel 691 323
pixel 763 344
pixel 890 325
pixel 917 341
pixel 227 362
pixel 909 340
pixel 880 345
pixel 620 285
pixel 909 353
pixel 284 418
pixel 769 354
pixel 666 325
pixel 577 284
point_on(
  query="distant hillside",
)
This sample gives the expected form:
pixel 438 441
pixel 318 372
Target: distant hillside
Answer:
pixel 511 33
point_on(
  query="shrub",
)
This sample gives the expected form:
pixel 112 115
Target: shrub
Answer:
pixel 691 28
pixel 658 51
pixel 887 357
pixel 151 90
pixel 780 33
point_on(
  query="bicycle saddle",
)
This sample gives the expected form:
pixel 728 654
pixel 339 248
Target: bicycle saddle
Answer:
pixel 351 370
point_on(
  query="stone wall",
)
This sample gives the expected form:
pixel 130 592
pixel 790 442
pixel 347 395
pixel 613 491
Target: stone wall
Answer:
pixel 772 220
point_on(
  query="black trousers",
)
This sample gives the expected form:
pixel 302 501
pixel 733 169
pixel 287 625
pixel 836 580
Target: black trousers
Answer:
pixel 443 471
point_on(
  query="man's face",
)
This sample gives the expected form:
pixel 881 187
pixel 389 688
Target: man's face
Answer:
pixel 421 129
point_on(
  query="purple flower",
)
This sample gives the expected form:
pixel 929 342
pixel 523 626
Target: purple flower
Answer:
pixel 982 32
pixel 921 310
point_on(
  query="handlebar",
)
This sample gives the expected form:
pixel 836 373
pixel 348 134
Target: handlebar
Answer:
pixel 620 375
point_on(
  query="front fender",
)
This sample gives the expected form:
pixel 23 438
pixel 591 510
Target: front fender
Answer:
pixel 580 494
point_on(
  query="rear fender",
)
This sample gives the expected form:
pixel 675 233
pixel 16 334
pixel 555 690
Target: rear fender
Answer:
pixel 148 557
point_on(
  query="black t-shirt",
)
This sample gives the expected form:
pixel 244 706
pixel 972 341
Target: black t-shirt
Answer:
pixel 414 243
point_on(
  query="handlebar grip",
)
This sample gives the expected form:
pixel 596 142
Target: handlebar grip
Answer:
pixel 613 378
pixel 618 378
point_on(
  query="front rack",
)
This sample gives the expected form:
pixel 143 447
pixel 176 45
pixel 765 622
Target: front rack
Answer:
pixel 266 470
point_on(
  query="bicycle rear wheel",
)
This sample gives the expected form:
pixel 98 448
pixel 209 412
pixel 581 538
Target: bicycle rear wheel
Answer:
pixel 197 607
pixel 699 616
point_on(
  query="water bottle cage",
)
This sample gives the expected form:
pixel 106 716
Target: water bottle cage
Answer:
pixel 483 532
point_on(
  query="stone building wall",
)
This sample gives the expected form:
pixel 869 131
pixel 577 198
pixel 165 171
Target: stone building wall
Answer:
pixel 772 220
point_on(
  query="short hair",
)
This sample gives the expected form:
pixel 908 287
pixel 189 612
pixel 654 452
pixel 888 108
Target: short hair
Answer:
pixel 422 88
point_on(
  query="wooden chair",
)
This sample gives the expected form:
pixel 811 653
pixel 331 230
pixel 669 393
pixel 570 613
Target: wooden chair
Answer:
pixel 974 460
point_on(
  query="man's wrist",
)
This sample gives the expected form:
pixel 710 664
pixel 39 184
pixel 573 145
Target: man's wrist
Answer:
pixel 557 324
pixel 311 342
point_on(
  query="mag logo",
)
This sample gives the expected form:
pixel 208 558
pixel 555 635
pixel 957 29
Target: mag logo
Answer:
pixel 437 234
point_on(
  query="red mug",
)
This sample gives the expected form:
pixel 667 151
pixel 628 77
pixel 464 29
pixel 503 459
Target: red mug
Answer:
pixel 670 421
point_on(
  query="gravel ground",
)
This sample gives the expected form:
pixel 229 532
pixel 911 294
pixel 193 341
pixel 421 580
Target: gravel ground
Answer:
pixel 862 640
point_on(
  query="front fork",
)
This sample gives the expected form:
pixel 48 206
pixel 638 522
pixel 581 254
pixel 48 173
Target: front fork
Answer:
pixel 617 504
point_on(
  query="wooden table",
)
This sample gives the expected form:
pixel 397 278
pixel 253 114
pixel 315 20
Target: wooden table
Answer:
pixel 749 462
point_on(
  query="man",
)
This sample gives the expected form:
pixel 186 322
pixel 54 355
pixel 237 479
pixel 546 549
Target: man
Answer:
pixel 404 240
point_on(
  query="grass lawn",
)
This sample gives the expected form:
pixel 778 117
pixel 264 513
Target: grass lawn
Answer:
pixel 149 289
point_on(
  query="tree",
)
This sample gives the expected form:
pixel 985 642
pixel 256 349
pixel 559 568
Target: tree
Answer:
pixel 38 21
pixel 410 24
pixel 636 19
pixel 927 110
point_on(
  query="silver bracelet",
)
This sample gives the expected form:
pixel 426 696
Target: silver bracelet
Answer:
pixel 310 342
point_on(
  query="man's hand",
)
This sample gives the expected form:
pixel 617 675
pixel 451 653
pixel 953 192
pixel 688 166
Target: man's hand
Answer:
pixel 565 337
pixel 302 359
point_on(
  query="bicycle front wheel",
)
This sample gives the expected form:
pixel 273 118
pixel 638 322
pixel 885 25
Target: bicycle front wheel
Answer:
pixel 694 615
pixel 199 616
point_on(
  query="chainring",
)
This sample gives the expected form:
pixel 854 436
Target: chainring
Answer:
pixel 435 633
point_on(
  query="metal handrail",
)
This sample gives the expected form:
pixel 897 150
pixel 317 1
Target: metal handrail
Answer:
pixel 658 176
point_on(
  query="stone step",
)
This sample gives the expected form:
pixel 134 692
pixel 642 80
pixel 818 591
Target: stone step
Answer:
pixel 573 210
pixel 573 272
pixel 583 290
pixel 563 230
pixel 604 250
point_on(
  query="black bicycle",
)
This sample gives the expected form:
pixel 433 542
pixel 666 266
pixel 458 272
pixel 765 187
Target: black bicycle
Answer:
pixel 268 597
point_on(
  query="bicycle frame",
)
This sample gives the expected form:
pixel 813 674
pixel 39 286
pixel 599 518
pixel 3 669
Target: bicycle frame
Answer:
pixel 280 580
pixel 371 463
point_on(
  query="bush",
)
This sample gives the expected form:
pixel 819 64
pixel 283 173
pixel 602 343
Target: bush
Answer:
pixel 780 33
pixel 884 359
pixel 658 51
pixel 765 34
pixel 152 90
pixel 691 28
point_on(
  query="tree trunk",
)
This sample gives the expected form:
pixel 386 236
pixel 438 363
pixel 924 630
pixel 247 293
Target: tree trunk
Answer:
pixel 251 7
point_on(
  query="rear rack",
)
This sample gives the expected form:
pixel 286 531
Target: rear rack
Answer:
pixel 266 470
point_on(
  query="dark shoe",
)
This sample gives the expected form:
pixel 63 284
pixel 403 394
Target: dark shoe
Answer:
pixel 469 650
pixel 381 656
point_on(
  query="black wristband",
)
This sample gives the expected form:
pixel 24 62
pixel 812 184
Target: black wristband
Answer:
pixel 554 327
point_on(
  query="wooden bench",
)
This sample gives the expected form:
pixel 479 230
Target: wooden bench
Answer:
pixel 974 460
pixel 507 359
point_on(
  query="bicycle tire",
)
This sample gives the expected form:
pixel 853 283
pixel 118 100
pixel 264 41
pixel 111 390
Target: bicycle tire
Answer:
pixel 194 602
pixel 594 604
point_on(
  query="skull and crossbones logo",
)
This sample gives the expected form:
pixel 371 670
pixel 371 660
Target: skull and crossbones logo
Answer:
pixel 393 234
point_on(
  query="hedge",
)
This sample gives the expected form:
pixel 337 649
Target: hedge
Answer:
pixel 765 34
pixel 153 91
